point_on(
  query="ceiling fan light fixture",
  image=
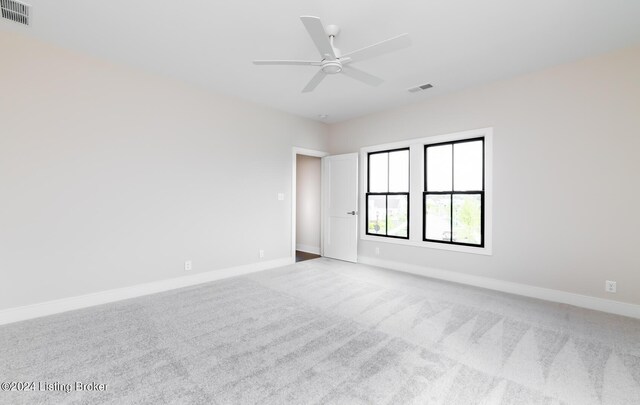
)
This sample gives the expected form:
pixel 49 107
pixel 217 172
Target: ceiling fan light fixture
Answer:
pixel 332 67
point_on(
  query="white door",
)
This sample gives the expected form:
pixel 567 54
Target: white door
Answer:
pixel 340 206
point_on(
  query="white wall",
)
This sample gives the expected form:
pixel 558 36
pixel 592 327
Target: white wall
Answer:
pixel 111 177
pixel 308 204
pixel 566 165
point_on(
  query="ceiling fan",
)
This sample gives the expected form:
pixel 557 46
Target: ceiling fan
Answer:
pixel 332 61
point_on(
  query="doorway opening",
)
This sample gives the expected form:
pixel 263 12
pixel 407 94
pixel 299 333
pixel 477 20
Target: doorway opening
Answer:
pixel 308 169
pixel 307 204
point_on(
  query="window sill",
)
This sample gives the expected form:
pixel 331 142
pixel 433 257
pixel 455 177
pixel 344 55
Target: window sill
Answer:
pixel 486 251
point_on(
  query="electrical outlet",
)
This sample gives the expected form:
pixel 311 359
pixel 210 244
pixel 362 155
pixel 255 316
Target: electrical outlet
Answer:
pixel 261 253
pixel 610 286
pixel 280 196
pixel 188 265
pixel 377 251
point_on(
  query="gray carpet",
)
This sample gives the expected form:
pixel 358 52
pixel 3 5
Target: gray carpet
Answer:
pixel 323 331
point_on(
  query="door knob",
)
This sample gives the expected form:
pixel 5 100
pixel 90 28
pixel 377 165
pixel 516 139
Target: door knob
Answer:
pixel 351 213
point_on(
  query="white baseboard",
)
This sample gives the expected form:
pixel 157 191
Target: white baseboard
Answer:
pixel 309 249
pixel 103 297
pixel 584 301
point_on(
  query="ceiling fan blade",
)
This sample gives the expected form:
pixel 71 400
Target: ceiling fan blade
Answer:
pixel 390 45
pixel 319 36
pixel 315 81
pixel 286 62
pixel 361 76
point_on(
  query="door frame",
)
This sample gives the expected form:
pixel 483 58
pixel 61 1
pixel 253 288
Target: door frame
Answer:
pixel 294 198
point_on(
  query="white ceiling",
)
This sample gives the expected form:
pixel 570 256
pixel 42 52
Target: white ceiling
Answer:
pixel 456 43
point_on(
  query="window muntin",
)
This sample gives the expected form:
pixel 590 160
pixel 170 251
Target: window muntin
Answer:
pixel 453 197
pixel 387 197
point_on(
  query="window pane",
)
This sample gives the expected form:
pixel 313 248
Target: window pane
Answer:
pixel 467 209
pixel 397 213
pixel 438 218
pixel 378 176
pixel 399 171
pixel 439 168
pixel 377 214
pixel 467 166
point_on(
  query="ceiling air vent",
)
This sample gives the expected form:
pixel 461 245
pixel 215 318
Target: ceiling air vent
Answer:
pixel 15 11
pixel 420 88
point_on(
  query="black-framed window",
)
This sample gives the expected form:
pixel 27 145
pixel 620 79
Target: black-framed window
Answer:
pixel 453 198
pixel 387 199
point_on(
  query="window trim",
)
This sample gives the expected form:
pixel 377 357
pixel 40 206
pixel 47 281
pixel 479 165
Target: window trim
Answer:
pixel 416 188
pixel 453 192
pixel 387 194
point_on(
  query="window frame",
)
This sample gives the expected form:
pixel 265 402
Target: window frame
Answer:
pixel 453 192
pixel 416 189
pixel 387 194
